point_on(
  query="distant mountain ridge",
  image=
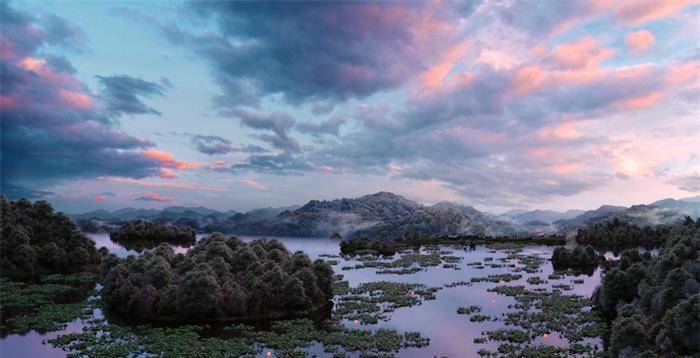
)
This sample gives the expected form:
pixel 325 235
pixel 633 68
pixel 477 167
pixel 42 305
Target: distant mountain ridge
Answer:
pixel 663 211
pixel 385 214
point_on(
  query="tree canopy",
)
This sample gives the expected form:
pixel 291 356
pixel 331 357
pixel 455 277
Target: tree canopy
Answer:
pixel 142 234
pixel 218 278
pixel 36 241
pixel 580 258
pixel 653 302
pixel 617 234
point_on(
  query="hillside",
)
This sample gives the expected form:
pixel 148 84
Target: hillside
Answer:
pixel 664 211
pixel 322 218
pixel 385 214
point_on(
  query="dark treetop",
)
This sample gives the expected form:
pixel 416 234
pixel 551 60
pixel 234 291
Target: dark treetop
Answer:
pixel 219 278
pixel 35 241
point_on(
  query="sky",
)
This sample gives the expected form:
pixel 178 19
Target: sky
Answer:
pixel 239 105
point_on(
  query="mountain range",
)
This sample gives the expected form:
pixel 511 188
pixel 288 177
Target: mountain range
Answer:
pixel 385 214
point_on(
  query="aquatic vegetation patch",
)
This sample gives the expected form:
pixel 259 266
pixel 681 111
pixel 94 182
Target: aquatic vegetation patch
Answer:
pixel 480 318
pixel 468 309
pixel 538 313
pixel 409 262
pixel 535 280
pixel 456 284
pixel 504 277
pixel 373 301
pixel 45 306
pixel 287 339
pixel 402 271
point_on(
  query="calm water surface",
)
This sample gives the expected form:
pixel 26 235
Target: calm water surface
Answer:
pixel 450 334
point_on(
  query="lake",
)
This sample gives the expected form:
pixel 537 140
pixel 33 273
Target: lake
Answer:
pixel 450 334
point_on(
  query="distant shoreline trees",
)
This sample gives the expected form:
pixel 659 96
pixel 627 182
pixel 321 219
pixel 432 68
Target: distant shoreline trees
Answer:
pixel 141 234
pixel 579 258
pixel 617 233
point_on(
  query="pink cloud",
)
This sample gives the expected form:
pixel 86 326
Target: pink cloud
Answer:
pixel 436 73
pixel 6 102
pixel 641 102
pixel 166 174
pixel 100 198
pixel 252 183
pixel 497 59
pixel 583 53
pixel 75 99
pixel 565 131
pixel 640 11
pixel 166 159
pixel 150 196
pixel 188 186
pixel 682 73
pixel 219 164
pixel 528 79
pixel 639 41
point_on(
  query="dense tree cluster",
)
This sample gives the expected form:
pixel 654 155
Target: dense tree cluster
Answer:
pixel 36 241
pixel 140 234
pixel 218 278
pixel 653 302
pixel 577 258
pixel 362 245
pixel 617 233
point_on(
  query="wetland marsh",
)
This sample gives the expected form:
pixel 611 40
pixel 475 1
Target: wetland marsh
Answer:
pixel 455 301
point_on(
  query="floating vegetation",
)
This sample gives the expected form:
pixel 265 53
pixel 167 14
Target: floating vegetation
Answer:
pixel 45 306
pixel 456 284
pixel 373 301
pixel 409 261
pixel 509 335
pixel 468 309
pixel 286 338
pixel 402 271
pixel 539 312
pixel 515 327
pixel 505 277
pixel 479 318
pixel 527 263
pixel 535 280
pixel 562 287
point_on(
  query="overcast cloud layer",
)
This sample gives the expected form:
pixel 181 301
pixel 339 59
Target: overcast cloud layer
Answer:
pixel 499 104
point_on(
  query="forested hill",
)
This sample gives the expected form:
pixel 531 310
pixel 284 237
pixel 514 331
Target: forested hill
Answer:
pixel 385 214
pixel 381 214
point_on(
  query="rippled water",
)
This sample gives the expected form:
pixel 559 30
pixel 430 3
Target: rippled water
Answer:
pixel 450 334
